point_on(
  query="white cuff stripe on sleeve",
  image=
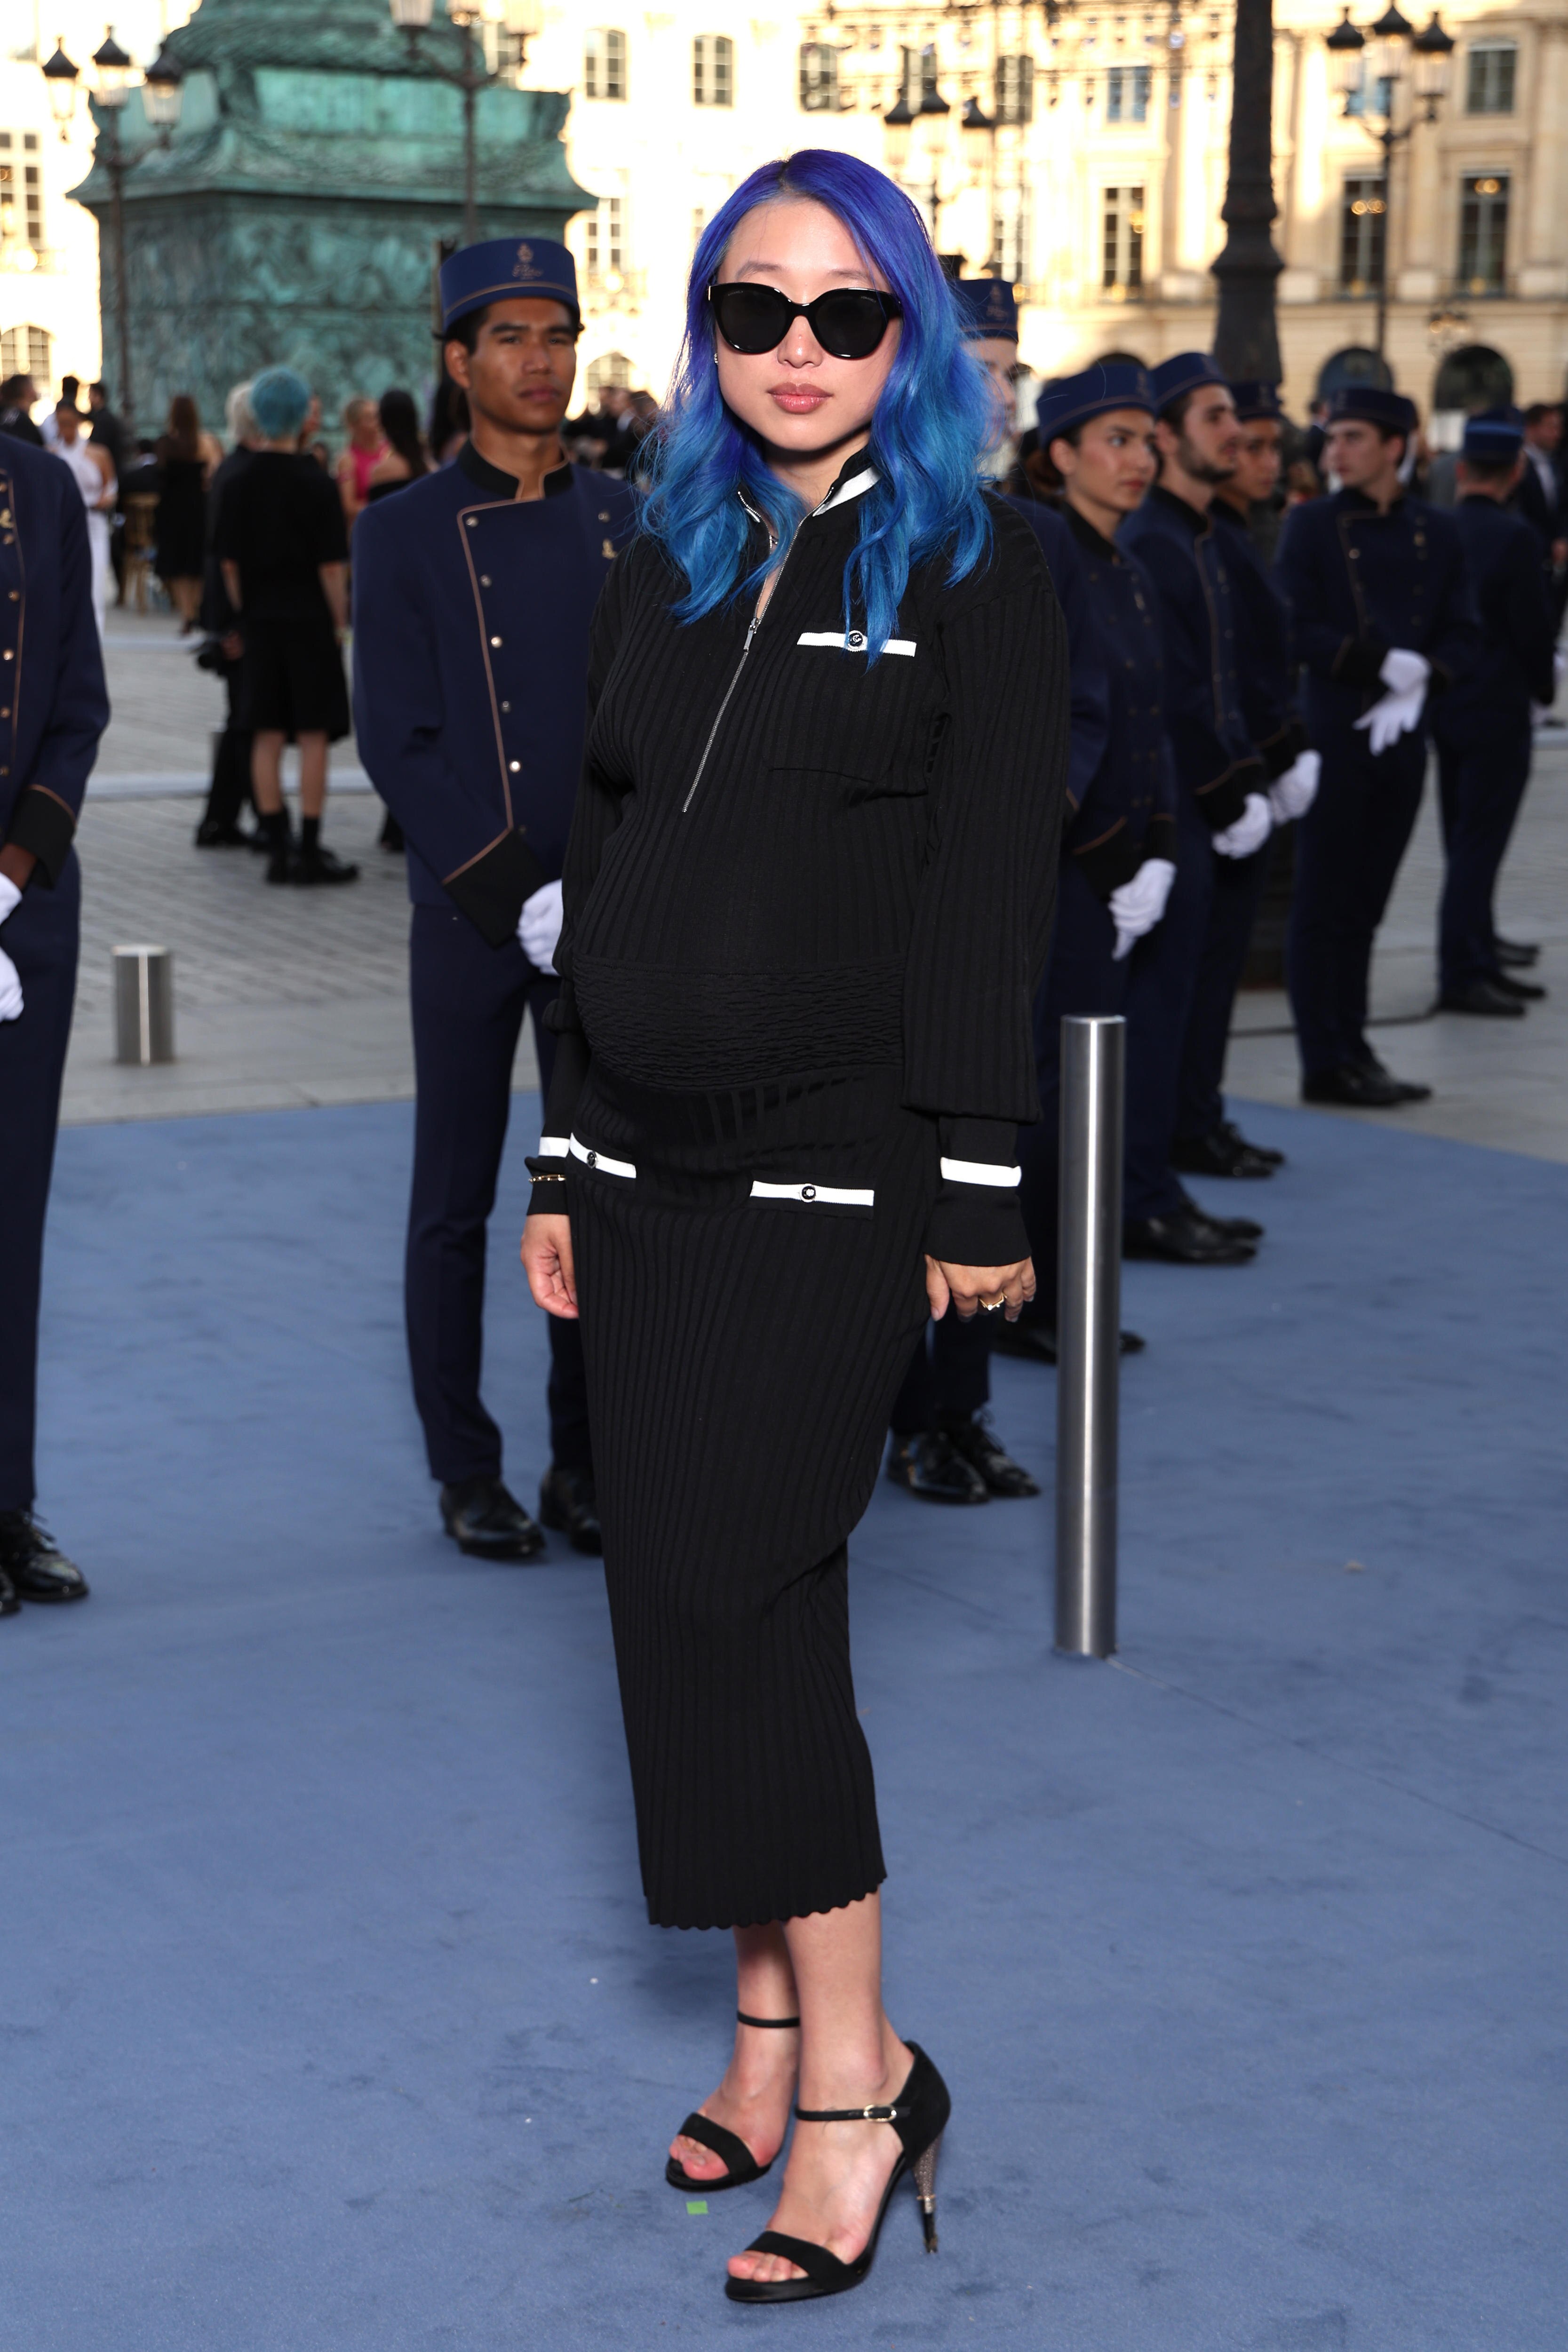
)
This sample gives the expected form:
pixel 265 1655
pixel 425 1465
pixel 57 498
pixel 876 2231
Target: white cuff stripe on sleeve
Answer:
pixel 552 1147
pixel 979 1172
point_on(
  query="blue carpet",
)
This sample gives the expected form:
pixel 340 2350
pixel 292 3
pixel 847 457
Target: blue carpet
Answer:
pixel 329 2018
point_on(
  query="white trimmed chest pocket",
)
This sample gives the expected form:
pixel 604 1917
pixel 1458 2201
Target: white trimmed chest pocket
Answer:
pixel 852 641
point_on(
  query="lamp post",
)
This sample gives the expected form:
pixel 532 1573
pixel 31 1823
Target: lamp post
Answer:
pixel 524 18
pixel 1397 59
pixel 162 96
pixel 908 147
pixel 1246 339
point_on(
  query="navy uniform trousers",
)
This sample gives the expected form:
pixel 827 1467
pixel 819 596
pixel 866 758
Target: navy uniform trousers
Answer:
pixel 1152 989
pixel 1236 891
pixel 1481 788
pixel 41 940
pixel 469 1000
pixel 1348 851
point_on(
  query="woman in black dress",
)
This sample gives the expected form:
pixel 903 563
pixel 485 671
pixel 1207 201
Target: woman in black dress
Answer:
pixel 186 458
pixel 807 895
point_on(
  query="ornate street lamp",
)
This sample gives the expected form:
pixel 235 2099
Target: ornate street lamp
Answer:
pixel 62 78
pixel 1378 73
pixel 522 18
pixel 162 94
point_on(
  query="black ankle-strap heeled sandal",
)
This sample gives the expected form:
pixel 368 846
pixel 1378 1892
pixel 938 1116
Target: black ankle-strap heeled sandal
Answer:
pixel 743 2166
pixel 918 2115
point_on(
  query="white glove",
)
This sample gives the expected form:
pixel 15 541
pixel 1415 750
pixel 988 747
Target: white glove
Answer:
pixel 1402 672
pixel 539 926
pixel 1292 794
pixel 10 978
pixel 1249 831
pixel 1139 905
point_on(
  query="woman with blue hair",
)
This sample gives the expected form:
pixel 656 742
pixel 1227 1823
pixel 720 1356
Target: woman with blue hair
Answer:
pixel 807 897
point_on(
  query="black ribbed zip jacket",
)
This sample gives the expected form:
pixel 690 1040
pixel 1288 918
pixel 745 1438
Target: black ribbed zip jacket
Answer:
pixel 786 859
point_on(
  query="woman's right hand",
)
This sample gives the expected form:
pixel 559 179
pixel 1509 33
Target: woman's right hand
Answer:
pixel 547 1262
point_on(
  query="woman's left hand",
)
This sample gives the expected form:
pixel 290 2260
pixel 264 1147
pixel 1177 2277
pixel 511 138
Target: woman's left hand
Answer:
pixel 972 1287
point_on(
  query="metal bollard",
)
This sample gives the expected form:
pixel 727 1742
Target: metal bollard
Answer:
pixel 1089 1332
pixel 143 1005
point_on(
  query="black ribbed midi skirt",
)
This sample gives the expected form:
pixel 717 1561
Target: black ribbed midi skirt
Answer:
pixel 743 1349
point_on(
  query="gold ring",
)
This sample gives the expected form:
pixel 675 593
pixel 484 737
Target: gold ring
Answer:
pixel 992 1306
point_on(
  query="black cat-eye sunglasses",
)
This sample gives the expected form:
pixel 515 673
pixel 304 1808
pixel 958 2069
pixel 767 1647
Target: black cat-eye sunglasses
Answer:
pixel 850 322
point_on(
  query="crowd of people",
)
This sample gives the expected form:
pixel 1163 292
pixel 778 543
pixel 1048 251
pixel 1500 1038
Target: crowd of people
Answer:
pixel 796 781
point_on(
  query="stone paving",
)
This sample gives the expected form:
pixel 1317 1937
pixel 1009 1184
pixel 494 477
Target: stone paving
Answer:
pixel 290 997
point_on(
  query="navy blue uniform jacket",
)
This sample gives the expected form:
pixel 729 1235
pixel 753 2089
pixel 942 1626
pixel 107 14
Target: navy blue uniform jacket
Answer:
pixel 1357 584
pixel 1089 719
pixel 53 704
pixel 1181 552
pixel 1128 812
pixel 1265 671
pixel 1513 665
pixel 472 612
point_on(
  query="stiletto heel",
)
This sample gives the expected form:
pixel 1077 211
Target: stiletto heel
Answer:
pixel 924 2170
pixel 743 2166
pixel 918 2115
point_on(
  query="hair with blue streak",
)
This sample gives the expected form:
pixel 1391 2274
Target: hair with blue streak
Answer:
pixel 932 423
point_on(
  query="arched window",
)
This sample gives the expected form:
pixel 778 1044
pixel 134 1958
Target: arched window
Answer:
pixel 712 69
pixel 1489 86
pixel 1471 378
pixel 612 373
pixel 604 63
pixel 1356 364
pixel 25 350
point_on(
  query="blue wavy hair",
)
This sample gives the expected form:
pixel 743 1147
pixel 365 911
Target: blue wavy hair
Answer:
pixel 932 421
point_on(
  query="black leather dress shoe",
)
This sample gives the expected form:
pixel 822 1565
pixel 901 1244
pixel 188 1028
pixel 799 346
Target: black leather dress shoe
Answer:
pixel 32 1564
pixel 568 1504
pixel 485 1521
pixel 1528 991
pixel 213 835
pixel 1235 1229
pixel 314 868
pixel 1517 954
pixel 1404 1089
pixel 1360 1088
pixel 1223 1153
pixel 1184 1237
pixel 926 1466
pixel 1482 997
pixel 1259 1150
pixel 1035 1343
pixel 968 1436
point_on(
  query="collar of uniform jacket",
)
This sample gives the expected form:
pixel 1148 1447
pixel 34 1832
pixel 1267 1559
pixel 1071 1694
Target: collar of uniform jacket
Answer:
pixel 503 485
pixel 1088 538
pixel 1357 502
pixel 1196 523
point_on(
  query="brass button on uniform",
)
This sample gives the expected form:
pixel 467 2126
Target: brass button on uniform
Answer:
pixel 514 765
pixel 484 580
pixel 495 641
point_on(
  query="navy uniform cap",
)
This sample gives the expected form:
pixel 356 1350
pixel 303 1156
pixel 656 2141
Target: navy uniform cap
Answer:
pixel 1495 436
pixel 1255 400
pixel 987 306
pixel 1074 399
pixel 502 269
pixel 1183 373
pixel 1368 403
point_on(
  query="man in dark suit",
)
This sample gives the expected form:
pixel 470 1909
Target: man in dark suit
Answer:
pixel 1482 727
pixel 53 708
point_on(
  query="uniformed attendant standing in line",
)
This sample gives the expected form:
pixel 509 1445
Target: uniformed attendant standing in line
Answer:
pixel 1481 726
pixel 1207 1143
pixel 1381 618
pixel 474 590
pixel 53 708
pixel 1222 816
pixel 943 1451
pixel 1110 951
